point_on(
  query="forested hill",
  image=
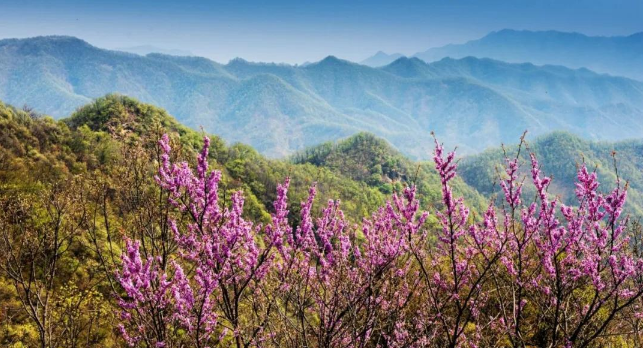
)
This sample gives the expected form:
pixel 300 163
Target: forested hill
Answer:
pixel 279 109
pixel 116 136
pixel 560 154
pixel 367 158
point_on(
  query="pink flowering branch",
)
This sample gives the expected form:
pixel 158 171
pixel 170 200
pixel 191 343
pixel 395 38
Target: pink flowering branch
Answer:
pixel 454 268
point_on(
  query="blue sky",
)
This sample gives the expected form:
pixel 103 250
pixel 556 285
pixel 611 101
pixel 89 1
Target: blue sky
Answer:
pixel 298 31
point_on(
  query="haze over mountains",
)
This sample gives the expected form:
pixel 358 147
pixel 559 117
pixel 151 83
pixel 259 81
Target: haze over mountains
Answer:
pixel 619 55
pixel 381 59
pixel 473 103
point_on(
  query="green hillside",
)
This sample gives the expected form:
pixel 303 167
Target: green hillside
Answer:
pixel 560 154
pixel 367 158
pixel 101 139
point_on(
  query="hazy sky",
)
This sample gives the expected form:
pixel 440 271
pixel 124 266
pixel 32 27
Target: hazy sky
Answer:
pixel 298 31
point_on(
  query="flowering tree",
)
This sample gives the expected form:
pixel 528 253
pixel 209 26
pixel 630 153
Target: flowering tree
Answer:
pixel 454 266
pixel 588 275
pixel 226 263
pixel 570 279
pixel 542 274
pixel 341 284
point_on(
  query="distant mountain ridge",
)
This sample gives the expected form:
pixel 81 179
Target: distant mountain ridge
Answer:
pixel 279 109
pixel 617 55
pixel 144 50
pixel 381 59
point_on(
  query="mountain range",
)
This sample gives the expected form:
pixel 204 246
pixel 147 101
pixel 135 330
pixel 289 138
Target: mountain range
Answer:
pixel 279 109
pixel 617 55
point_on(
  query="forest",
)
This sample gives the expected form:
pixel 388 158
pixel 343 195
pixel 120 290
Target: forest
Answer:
pixel 120 227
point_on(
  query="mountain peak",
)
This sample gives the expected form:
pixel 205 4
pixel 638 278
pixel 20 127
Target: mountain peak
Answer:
pixel 238 61
pixel 59 38
pixel 357 156
pixel 408 67
pixel 115 113
pixel 408 61
pixel 331 61
pixel 44 40
pixel 50 45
